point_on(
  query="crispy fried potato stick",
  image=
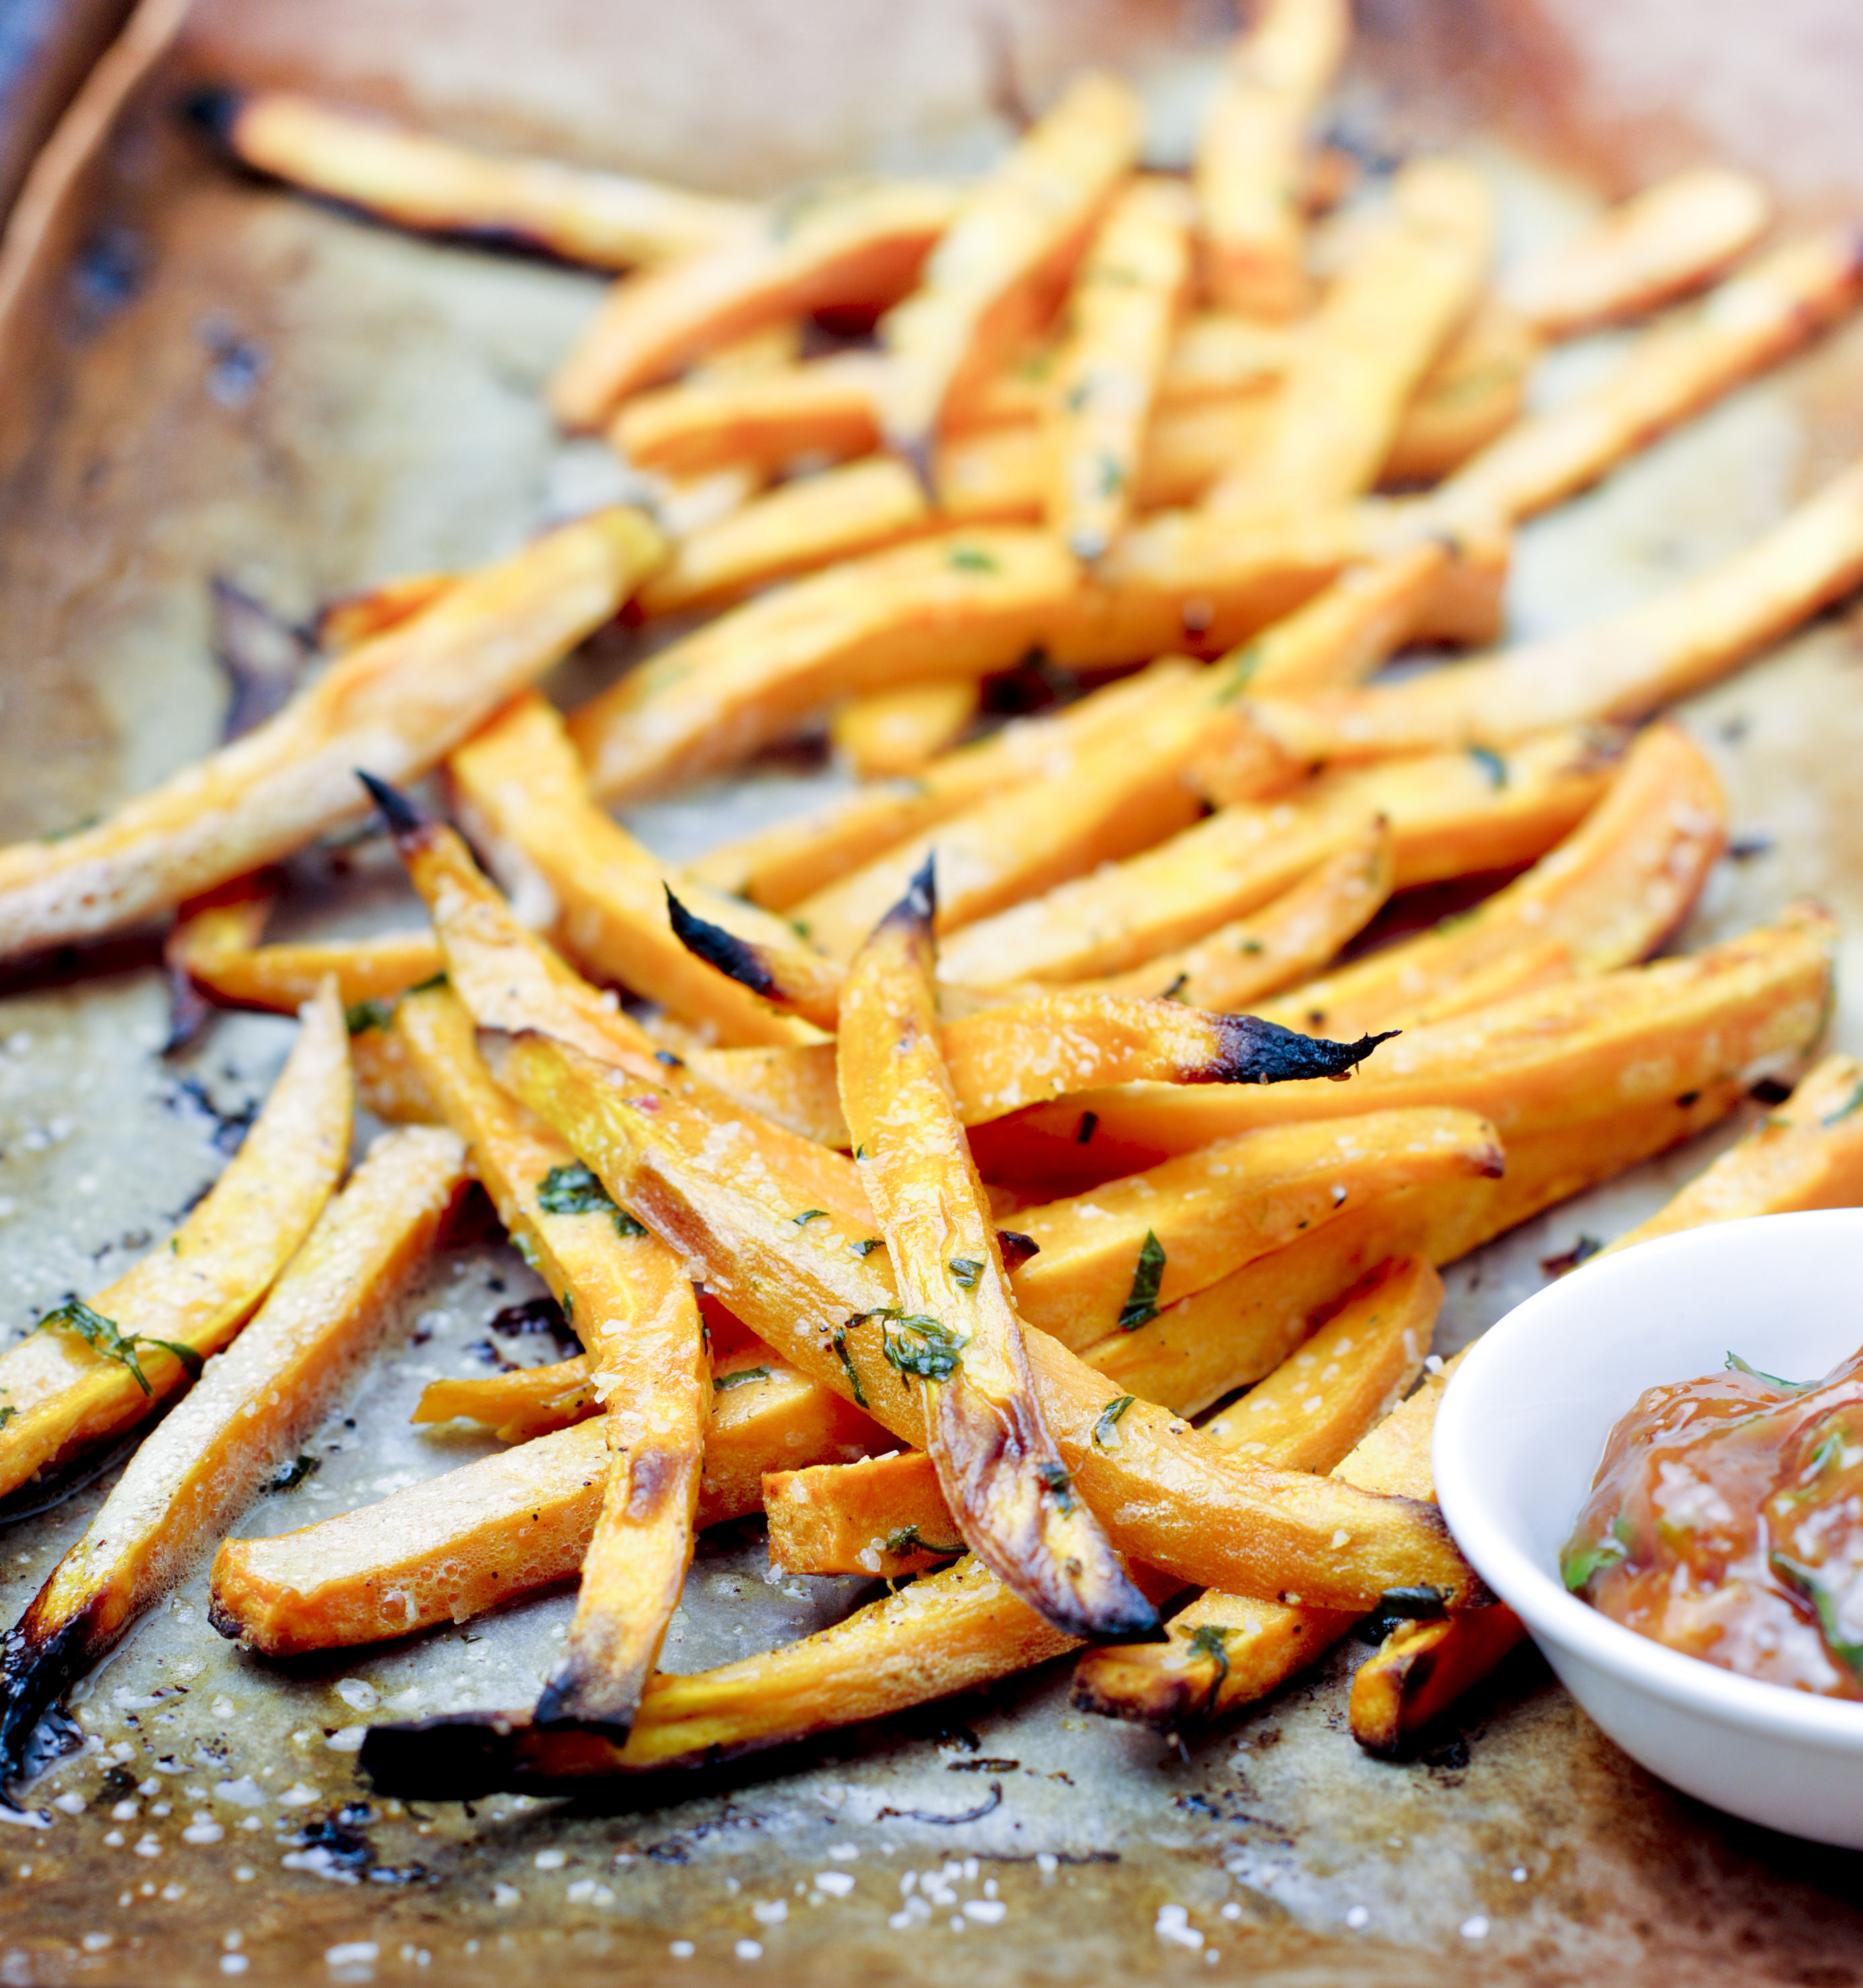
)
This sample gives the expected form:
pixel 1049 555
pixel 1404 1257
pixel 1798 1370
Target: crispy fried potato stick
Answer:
pixel 608 220
pixel 1421 1669
pixel 958 605
pixel 887 1515
pixel 1225 1651
pixel 839 514
pixel 1611 894
pixel 1122 314
pixel 780 867
pixel 1252 153
pixel 1011 249
pixel 955 1327
pixel 1290 938
pixel 894 734
pixel 1449 813
pixel 1175 1501
pixel 1360 360
pixel 821 408
pixel 629 1297
pixel 1672 237
pixel 476 1537
pixel 1805 1153
pixel 254 1402
pixel 523 797
pixel 216 948
pixel 860 247
pixel 397 704
pixel 1759 315
pixel 1615 1041
pixel 1623 668
pixel 97 1367
pixel 1113 796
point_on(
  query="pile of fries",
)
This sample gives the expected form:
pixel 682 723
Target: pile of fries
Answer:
pixel 968 1182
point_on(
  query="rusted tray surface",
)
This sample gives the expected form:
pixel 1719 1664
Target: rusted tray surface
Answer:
pixel 241 383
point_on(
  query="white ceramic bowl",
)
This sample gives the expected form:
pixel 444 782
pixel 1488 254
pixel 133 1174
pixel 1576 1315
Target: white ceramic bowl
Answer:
pixel 1519 1437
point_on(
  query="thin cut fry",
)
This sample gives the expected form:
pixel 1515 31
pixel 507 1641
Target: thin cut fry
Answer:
pixel 523 794
pixel 1121 313
pixel 254 1402
pixel 1251 155
pixel 347 623
pixel 1672 237
pixel 1422 1668
pixel 885 1515
pixel 1448 814
pixel 1471 397
pixel 98 1367
pixel 822 408
pixel 216 948
pixel 839 514
pixel 1757 317
pixel 782 866
pixel 397 705
pixel 1011 249
pixel 606 219
pixel 859 247
pixel 1623 668
pixel 1336 411
pixel 1169 1499
pixel 894 733
pixel 958 605
pixel 955 1327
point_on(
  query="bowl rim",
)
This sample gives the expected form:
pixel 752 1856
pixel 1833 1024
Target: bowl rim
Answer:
pixel 1552 1613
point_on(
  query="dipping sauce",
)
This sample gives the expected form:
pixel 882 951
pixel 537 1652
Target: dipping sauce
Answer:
pixel 1727 1521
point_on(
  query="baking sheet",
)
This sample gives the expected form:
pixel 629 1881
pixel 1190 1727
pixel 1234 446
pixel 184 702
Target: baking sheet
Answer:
pixel 247 384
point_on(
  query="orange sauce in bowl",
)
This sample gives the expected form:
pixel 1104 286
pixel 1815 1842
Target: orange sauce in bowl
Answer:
pixel 1727 1521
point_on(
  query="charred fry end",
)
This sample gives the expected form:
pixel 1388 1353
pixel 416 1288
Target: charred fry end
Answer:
pixel 1257 1052
pixel 917 912
pixel 736 957
pixel 401 815
pixel 35 1670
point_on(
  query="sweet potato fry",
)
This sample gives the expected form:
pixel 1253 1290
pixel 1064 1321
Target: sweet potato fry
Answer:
pixel 1759 315
pixel 1611 894
pixel 398 704
pixel 347 622
pixel 1113 796
pixel 1805 1153
pixel 1121 313
pixel 1225 1651
pixel 823 407
pixel 839 514
pixel 629 1297
pixel 522 795
pixel 1617 1039
pixel 484 1534
pixel 1361 358
pixel 885 1515
pixel 254 1402
pixel 894 734
pixel 97 1367
pixel 958 605
pixel 1623 668
pixel 1420 1670
pixel 1177 1502
pixel 607 220
pixel 1010 251
pixel 1252 153
pixel 1289 939
pixel 1448 814
pixel 782 866
pixel 860 247
pixel 217 949
pixel 1672 237
pixel 1470 398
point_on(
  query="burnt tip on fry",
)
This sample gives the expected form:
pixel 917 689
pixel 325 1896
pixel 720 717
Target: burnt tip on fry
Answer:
pixel 214 111
pixel 738 958
pixel 401 815
pixel 918 906
pixel 1017 1247
pixel 457 1756
pixel 1254 1051
pixel 35 1671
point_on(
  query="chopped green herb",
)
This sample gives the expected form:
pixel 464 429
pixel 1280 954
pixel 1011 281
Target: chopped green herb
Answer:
pixel 1576 1569
pixel 575 1189
pixel 1410 1604
pixel 1057 1483
pixel 104 1336
pixel 919 1344
pixel 524 1247
pixel 1843 1110
pixel 1175 991
pixel 1242 672
pixel 76 828
pixel 809 1214
pixel 1492 764
pixel 866 1246
pixel 367 1014
pixel 1737 1365
pixel 427 986
pixel 1805 1580
pixel 7 1413
pixel 847 1359
pixel 569 1308
pixel 1207 1641
pixel 971 559
pixel 859 1152
pixel 1112 475
pixel 909 1540
pixel 722 1383
pixel 1105 1429
pixel 967 1270
pixel 1140 1306
pixel 289 1476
